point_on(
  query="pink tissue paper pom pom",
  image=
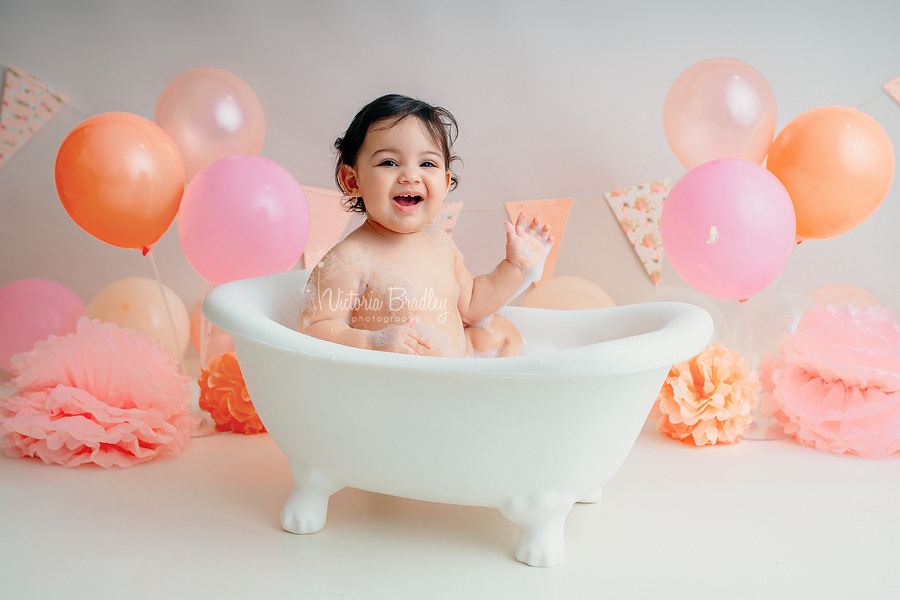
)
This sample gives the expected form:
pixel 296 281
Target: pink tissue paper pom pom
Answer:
pixel 101 395
pixel 836 386
pixel 708 399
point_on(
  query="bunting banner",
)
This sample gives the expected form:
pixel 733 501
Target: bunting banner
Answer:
pixel 327 219
pixel 638 210
pixel 26 106
pixel 555 212
pixel 892 89
pixel 447 216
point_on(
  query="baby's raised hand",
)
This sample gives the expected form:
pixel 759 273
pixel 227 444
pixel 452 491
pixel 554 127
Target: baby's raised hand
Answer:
pixel 402 339
pixel 527 244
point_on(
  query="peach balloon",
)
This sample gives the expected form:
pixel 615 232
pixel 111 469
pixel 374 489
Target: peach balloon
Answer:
pixel 841 295
pixel 120 178
pixel 219 341
pixel 719 108
pixel 210 113
pixel 837 164
pixel 137 304
pixel 568 293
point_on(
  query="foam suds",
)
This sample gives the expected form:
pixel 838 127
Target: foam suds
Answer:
pixel 494 353
pixel 485 323
pixel 384 338
pixel 537 269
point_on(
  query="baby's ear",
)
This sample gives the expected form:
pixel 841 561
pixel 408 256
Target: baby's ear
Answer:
pixel 348 180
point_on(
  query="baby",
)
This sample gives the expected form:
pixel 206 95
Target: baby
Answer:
pixel 396 283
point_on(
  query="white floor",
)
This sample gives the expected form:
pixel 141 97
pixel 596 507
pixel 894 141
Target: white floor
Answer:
pixel 749 520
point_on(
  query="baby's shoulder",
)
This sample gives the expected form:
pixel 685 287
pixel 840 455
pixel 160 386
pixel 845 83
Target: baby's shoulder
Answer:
pixel 439 238
pixel 345 256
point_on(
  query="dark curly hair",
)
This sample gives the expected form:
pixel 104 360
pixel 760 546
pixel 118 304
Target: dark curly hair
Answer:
pixel 439 122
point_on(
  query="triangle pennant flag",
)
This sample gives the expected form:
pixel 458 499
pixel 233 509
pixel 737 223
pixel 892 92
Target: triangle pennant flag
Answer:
pixel 555 212
pixel 892 88
pixel 26 106
pixel 328 219
pixel 638 209
pixel 447 216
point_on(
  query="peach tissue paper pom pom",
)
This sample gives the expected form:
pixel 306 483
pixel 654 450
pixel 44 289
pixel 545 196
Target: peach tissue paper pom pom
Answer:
pixel 836 386
pixel 223 395
pixel 709 398
pixel 101 395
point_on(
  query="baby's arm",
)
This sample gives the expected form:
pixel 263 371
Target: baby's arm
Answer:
pixel 331 295
pixel 527 246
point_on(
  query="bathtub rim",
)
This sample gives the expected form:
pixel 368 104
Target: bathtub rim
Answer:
pixel 241 308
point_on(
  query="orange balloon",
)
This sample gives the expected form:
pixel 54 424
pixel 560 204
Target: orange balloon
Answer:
pixel 837 164
pixel 120 178
pixel 568 293
pixel 841 295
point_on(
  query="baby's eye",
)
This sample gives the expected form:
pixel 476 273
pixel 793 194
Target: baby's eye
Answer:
pixel 429 163
pixel 388 162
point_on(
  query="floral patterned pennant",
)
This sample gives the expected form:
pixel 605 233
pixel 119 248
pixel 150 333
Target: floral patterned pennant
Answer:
pixel 447 216
pixel 26 106
pixel 638 209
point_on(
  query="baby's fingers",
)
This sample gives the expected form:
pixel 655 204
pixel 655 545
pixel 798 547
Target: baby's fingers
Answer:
pixel 420 341
pixel 520 224
pixel 510 232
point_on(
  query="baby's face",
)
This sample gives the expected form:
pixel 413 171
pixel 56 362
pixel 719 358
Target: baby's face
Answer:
pixel 401 176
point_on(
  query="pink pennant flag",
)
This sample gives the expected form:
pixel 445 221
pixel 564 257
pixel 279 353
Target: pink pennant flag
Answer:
pixel 638 210
pixel 555 212
pixel 26 106
pixel 447 216
pixel 892 88
pixel 328 219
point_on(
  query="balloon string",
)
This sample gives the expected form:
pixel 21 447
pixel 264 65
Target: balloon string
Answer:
pixel 205 331
pixel 777 286
pixel 168 311
pixel 748 338
pixel 872 99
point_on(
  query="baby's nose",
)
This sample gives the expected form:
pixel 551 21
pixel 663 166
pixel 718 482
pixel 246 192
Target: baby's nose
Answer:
pixel 410 176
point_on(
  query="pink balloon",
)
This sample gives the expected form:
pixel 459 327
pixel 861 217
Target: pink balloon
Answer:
pixel 719 108
pixel 30 311
pixel 728 228
pixel 243 216
pixel 210 113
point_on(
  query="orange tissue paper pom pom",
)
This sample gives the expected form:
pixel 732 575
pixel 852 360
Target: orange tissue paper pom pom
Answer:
pixel 708 399
pixel 223 395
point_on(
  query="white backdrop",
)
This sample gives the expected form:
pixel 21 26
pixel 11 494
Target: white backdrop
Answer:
pixel 554 99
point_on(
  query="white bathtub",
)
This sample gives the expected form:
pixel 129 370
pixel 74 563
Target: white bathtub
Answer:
pixel 529 435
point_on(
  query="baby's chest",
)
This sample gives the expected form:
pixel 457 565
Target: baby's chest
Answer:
pixel 410 285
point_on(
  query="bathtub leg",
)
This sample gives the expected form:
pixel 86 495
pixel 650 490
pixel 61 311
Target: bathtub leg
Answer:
pixel 306 509
pixel 592 498
pixel 541 517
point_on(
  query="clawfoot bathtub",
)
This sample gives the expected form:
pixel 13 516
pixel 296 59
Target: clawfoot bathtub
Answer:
pixel 529 435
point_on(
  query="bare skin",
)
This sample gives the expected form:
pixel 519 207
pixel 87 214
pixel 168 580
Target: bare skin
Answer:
pixel 398 284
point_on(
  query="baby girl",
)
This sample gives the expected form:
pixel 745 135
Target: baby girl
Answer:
pixel 396 283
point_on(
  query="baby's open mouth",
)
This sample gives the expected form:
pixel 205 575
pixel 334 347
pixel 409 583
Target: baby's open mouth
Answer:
pixel 408 201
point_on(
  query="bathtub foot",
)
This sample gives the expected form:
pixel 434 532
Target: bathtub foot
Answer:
pixel 307 507
pixel 541 517
pixel 592 498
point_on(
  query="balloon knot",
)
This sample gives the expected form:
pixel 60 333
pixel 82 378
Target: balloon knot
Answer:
pixel 145 251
